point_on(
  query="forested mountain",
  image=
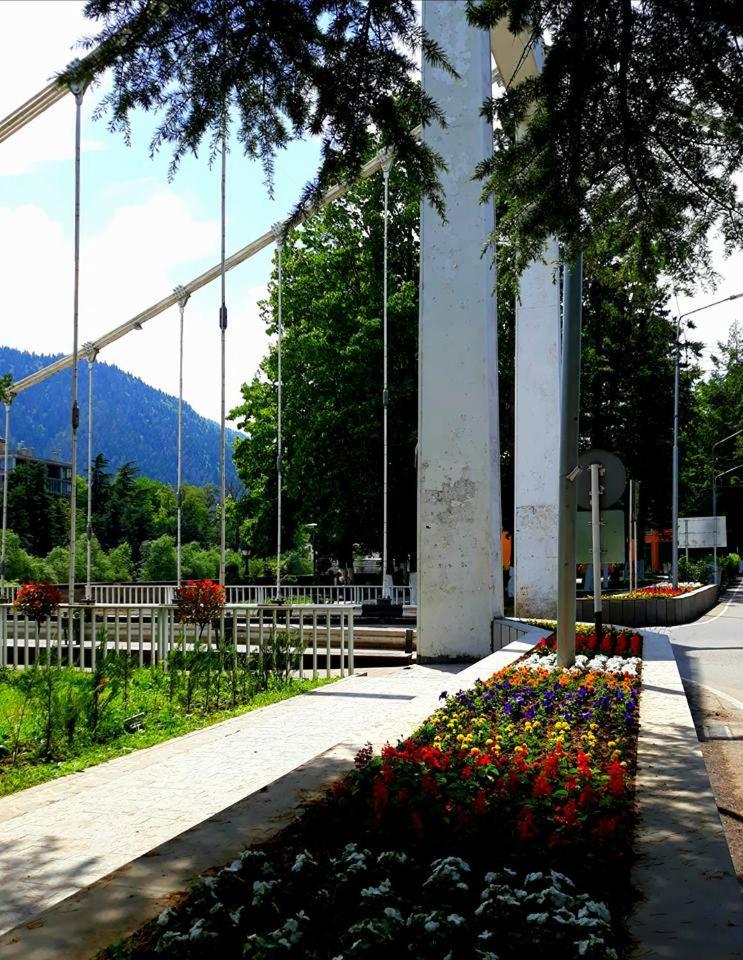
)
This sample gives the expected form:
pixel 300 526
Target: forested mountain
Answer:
pixel 132 421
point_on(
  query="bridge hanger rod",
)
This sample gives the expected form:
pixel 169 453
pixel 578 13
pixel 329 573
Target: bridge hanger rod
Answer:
pixel 213 273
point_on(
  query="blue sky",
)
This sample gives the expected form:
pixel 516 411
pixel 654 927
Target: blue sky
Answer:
pixel 141 234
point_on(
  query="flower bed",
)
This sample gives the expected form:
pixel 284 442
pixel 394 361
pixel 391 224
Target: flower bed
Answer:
pixel 445 845
pixel 657 591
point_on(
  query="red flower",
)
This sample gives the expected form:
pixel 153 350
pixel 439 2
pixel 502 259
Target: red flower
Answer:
pixel 605 827
pixel 526 825
pixel 542 787
pixel 615 785
pixel 416 823
pixel 481 803
pixel 380 796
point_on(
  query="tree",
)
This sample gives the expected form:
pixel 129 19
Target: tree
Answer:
pixel 627 364
pixel 33 512
pixel 101 499
pixel 637 114
pixel 158 559
pixel 715 413
pixel 332 376
pixel 333 69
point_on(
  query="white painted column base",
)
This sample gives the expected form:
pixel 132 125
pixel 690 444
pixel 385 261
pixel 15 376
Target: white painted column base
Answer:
pixel 460 578
pixel 537 432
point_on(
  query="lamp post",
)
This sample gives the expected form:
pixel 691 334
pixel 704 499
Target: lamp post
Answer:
pixel 675 477
pixel 715 477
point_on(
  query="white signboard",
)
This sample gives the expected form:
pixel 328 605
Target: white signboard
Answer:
pixel 699 532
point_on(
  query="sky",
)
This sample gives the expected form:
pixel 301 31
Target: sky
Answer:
pixel 142 235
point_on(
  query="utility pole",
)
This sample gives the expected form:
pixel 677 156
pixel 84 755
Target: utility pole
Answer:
pixel 569 469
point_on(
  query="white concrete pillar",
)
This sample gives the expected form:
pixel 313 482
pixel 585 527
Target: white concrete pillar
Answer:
pixel 460 579
pixel 537 437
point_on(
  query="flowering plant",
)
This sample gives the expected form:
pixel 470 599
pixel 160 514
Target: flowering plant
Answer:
pixel 361 903
pixel 657 591
pixel 200 601
pixel 37 601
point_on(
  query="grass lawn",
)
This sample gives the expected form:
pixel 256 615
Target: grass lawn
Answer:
pixel 59 721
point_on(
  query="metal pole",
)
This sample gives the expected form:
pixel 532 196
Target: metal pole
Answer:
pixel 386 591
pixel 223 333
pixel 569 414
pixel 278 233
pixel 675 479
pixel 714 516
pixel 630 527
pixel 183 296
pixel 3 546
pixel 596 547
pixel 77 91
pixel 91 354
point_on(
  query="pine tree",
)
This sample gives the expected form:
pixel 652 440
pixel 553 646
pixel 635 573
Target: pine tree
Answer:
pixel 637 114
pixel 340 70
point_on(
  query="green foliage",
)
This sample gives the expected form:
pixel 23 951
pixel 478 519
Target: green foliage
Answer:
pixel 37 516
pixel 637 114
pixel 627 364
pixel 55 720
pixel 281 71
pixel 332 376
pixel 695 570
pixel 159 559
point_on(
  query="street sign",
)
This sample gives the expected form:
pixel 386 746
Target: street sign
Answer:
pixel 699 532
pixel 612 537
pixel 613 478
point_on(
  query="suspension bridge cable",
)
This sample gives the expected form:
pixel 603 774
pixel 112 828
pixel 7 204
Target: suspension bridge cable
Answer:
pixel 90 353
pixel 3 545
pixel 78 92
pixel 223 335
pixel 386 168
pixel 40 102
pixel 31 109
pixel 182 301
pixel 279 234
pixel 240 256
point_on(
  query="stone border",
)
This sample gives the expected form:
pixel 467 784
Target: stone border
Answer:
pixel 691 905
pixel 652 612
pixel 120 903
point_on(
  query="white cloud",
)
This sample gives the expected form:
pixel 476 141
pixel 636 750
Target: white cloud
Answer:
pixel 28 65
pixel 141 253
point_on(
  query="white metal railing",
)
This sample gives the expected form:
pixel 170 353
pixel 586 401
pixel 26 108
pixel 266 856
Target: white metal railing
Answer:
pixel 136 593
pixel 74 636
pixel 8 593
pixel 132 593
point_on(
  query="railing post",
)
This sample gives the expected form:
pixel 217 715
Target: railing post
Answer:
pixel 351 614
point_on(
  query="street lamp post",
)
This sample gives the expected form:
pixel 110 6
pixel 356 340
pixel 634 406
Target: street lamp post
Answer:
pixel 675 478
pixel 715 477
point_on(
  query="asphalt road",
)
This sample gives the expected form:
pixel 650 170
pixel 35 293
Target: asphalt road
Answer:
pixel 709 653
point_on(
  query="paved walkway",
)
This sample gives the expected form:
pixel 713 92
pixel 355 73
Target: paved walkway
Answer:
pixel 59 837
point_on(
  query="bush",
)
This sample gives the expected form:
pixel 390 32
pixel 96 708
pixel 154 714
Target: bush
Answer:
pixel 695 571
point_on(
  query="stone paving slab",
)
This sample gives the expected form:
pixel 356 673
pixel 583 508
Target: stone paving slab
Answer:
pixel 64 835
pixel 78 905
pixel 690 906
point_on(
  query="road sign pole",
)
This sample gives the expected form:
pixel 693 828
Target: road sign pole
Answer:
pixel 596 548
pixel 630 528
